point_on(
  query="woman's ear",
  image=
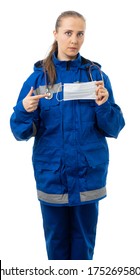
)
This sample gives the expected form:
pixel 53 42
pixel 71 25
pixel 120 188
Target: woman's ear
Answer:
pixel 55 35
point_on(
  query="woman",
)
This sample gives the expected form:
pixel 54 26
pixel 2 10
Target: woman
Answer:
pixel 67 104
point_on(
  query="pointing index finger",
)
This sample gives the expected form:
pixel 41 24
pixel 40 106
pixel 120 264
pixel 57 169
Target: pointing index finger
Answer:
pixel 39 96
pixel 30 92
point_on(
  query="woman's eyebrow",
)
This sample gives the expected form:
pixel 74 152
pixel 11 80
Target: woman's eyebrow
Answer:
pixel 70 30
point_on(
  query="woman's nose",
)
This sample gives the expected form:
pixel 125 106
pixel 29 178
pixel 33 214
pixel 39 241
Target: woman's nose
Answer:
pixel 74 39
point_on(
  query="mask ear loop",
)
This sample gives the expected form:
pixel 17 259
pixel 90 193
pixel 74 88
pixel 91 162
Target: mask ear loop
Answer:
pixel 57 94
pixel 93 64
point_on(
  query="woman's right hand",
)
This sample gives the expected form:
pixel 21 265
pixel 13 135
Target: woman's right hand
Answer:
pixel 30 102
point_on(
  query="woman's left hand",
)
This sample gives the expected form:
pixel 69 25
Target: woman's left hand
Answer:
pixel 101 93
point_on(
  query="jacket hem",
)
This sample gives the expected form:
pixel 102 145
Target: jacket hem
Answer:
pixel 63 200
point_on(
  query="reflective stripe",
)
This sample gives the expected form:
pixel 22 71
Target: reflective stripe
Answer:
pixel 63 198
pixel 93 195
pixel 53 198
pixel 42 89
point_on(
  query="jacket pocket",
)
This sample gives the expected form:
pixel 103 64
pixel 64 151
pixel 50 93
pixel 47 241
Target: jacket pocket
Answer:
pixel 48 177
pixel 47 104
pixel 98 155
pixel 50 112
pixel 87 110
pixel 88 102
pixel 96 169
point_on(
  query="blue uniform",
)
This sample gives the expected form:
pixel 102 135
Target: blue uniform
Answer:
pixel 70 152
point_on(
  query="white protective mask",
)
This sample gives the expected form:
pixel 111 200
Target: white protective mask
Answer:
pixel 75 91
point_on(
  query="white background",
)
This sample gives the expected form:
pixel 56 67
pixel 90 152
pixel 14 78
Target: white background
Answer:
pixel 112 39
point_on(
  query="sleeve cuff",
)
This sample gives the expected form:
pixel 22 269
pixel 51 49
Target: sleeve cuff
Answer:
pixel 104 106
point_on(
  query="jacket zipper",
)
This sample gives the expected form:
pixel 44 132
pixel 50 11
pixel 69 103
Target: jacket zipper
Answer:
pixel 68 66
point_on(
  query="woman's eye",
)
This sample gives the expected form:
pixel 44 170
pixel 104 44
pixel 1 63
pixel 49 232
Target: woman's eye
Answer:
pixel 80 34
pixel 68 33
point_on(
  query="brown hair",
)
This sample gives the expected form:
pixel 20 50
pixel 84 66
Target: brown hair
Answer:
pixel 47 62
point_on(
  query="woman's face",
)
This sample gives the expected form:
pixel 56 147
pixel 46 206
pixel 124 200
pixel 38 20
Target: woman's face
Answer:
pixel 70 37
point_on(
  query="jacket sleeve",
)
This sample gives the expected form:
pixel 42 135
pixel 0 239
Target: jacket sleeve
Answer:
pixel 23 124
pixel 110 120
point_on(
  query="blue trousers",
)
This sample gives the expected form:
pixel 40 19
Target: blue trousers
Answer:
pixel 70 232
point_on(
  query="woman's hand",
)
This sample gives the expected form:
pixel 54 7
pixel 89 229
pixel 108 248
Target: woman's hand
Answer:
pixel 30 102
pixel 101 93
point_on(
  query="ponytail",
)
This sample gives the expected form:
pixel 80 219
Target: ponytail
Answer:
pixel 48 64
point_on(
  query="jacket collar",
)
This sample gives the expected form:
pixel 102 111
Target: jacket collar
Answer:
pixel 67 64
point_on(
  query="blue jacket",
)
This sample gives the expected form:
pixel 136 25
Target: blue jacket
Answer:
pixel 70 151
